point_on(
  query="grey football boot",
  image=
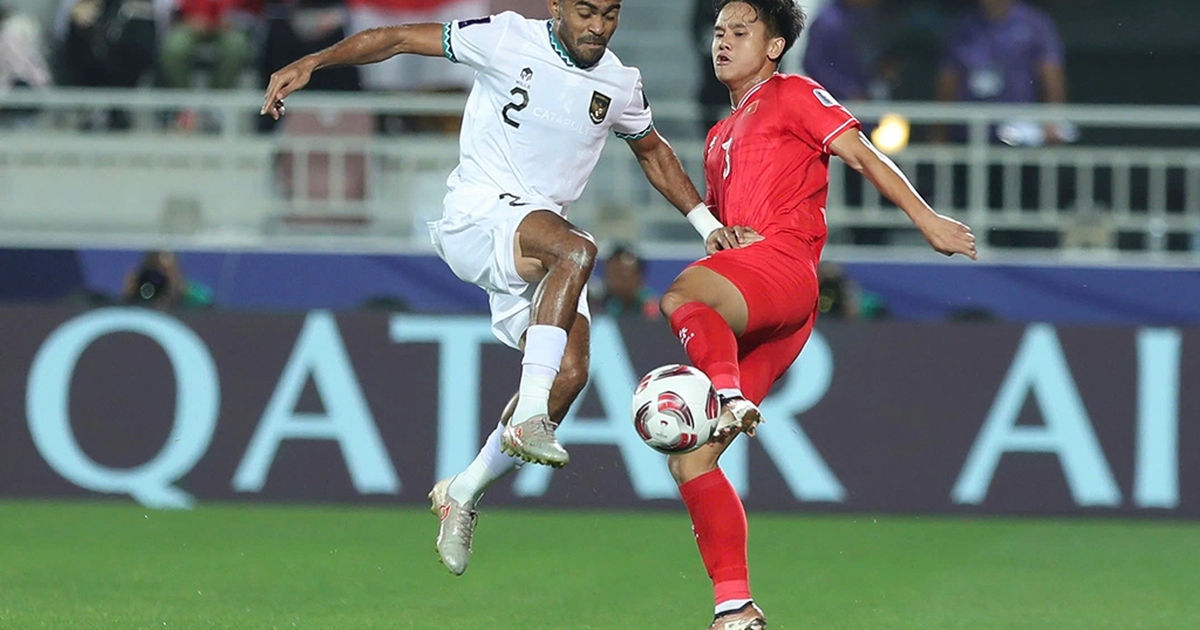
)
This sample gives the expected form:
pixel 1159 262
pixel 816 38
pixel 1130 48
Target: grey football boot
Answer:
pixel 534 441
pixel 456 530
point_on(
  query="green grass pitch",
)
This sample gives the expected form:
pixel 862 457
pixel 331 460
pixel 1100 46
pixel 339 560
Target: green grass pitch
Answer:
pixel 117 566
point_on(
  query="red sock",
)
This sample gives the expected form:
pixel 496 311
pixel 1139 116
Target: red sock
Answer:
pixel 709 343
pixel 719 521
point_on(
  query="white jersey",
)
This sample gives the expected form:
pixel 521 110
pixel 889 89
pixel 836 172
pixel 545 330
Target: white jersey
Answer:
pixel 535 123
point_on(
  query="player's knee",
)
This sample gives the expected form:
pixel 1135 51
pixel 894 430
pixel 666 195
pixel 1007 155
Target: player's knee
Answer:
pixel 582 253
pixel 672 300
pixel 685 467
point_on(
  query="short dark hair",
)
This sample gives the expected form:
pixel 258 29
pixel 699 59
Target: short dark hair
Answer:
pixel 783 18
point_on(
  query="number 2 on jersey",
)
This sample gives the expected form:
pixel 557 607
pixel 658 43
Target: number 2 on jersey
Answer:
pixel 513 200
pixel 521 94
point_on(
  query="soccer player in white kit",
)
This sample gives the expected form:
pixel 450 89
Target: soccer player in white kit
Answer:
pixel 546 95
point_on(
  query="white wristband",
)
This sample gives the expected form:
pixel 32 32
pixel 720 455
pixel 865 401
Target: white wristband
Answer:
pixel 703 220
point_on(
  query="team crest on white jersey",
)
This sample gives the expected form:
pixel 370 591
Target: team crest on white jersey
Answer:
pixel 542 140
pixel 598 110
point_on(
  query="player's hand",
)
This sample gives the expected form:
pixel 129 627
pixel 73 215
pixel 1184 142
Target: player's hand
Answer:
pixel 732 237
pixel 948 237
pixel 286 80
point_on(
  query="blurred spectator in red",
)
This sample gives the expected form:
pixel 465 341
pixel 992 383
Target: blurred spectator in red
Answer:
pixel 207 27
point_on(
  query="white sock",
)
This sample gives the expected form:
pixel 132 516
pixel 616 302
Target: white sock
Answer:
pixel 544 349
pixel 489 465
pixel 731 392
pixel 731 605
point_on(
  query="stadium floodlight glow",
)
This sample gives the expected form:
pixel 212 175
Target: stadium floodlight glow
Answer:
pixel 891 136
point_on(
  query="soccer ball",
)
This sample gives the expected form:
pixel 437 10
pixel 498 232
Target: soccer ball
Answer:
pixel 675 409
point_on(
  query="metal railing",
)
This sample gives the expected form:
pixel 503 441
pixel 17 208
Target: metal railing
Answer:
pixel 327 175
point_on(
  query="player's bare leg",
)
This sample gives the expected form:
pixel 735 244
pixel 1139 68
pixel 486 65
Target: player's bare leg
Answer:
pixel 685 467
pixel 708 313
pixel 454 499
pixel 719 521
pixel 559 258
pixel 572 376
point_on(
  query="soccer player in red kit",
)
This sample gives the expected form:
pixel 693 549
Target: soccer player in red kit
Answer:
pixel 744 313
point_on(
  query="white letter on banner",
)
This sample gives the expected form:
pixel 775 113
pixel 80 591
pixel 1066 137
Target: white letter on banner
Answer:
pixel 1041 369
pixel 1156 474
pixel 781 436
pixel 320 352
pixel 196 404
pixel 459 372
pixel 613 377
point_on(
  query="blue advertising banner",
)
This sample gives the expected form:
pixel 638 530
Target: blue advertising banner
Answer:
pixel 373 408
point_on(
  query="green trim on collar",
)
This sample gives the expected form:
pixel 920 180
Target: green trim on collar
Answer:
pixel 558 46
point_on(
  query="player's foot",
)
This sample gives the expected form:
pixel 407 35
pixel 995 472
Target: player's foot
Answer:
pixel 456 529
pixel 738 415
pixel 748 617
pixel 534 441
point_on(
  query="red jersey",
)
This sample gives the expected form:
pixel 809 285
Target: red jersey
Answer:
pixel 766 166
pixel 213 11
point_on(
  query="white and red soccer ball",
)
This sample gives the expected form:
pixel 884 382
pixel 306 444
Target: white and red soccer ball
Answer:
pixel 675 409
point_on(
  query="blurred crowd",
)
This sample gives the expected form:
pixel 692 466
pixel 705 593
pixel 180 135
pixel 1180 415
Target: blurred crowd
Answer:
pixel 220 44
pixel 979 50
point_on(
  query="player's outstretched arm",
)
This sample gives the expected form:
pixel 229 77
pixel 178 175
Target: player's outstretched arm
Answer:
pixel 665 172
pixel 369 46
pixel 946 235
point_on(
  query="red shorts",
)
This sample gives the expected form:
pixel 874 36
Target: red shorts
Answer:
pixel 778 279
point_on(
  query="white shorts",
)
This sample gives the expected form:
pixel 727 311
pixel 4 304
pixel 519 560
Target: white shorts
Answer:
pixel 476 237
